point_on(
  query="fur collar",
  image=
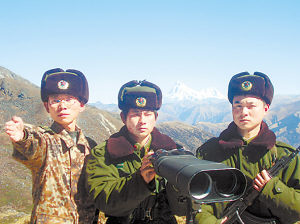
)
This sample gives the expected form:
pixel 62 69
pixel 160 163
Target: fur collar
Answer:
pixel 230 139
pixel 120 145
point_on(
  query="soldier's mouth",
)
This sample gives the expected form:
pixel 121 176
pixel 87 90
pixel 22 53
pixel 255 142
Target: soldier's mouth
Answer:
pixel 63 115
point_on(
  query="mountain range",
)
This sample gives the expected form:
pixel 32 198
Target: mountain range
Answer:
pixel 209 110
pixel 181 92
pixel 188 116
pixel 20 97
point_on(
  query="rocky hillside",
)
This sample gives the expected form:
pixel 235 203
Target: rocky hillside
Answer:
pixel 15 188
pixel 190 137
pixel 22 98
pixel 285 122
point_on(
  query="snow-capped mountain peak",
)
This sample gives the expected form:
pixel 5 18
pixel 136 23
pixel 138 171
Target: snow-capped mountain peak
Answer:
pixel 182 92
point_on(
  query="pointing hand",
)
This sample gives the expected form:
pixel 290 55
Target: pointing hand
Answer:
pixel 15 129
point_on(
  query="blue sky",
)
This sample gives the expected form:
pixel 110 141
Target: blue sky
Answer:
pixel 200 43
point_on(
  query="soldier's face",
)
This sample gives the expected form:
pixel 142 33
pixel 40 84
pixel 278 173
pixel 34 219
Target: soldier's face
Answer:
pixel 64 109
pixel 140 123
pixel 248 112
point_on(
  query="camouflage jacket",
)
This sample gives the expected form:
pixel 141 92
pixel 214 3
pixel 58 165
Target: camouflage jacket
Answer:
pixel 57 181
pixel 280 198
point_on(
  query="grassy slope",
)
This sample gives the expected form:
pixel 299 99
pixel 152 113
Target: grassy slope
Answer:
pixel 15 189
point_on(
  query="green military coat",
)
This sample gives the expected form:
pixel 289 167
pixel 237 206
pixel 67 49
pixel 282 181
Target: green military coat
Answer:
pixel 280 197
pixel 114 179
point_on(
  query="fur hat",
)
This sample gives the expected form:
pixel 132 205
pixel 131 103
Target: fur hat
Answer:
pixel 257 84
pixel 141 95
pixel 58 81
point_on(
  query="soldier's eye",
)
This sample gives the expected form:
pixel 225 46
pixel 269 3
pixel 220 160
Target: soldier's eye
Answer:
pixel 56 101
pixel 68 99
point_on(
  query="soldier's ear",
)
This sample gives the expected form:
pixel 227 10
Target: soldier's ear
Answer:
pixel 267 107
pixel 156 115
pixel 82 107
pixel 122 115
pixel 46 106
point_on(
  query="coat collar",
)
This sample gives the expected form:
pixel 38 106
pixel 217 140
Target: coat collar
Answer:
pixel 120 144
pixel 82 143
pixel 230 139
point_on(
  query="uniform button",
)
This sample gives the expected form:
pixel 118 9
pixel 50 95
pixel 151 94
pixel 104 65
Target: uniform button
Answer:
pixel 278 189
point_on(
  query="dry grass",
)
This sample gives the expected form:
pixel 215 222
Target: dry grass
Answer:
pixel 26 218
pixel 11 216
pixel 102 219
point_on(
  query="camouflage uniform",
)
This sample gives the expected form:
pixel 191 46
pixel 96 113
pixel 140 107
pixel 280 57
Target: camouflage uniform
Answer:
pixel 56 164
pixel 280 198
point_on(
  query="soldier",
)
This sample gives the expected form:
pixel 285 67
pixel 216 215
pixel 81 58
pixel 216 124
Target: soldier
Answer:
pixel 249 145
pixel 120 177
pixel 55 155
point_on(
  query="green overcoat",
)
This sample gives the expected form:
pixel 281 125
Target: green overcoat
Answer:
pixel 115 183
pixel 280 198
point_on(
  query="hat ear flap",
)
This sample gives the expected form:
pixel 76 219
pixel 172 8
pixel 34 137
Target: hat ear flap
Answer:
pixel 49 72
pixel 230 93
pixel 122 91
pixel 85 86
pixel 268 86
pixel 43 82
pixel 158 91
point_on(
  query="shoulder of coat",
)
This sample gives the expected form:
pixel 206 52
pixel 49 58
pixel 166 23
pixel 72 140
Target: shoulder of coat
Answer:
pixel 285 145
pixel 99 149
pixel 212 143
pixel 284 148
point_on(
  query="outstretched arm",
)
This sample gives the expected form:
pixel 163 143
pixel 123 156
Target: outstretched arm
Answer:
pixel 29 142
